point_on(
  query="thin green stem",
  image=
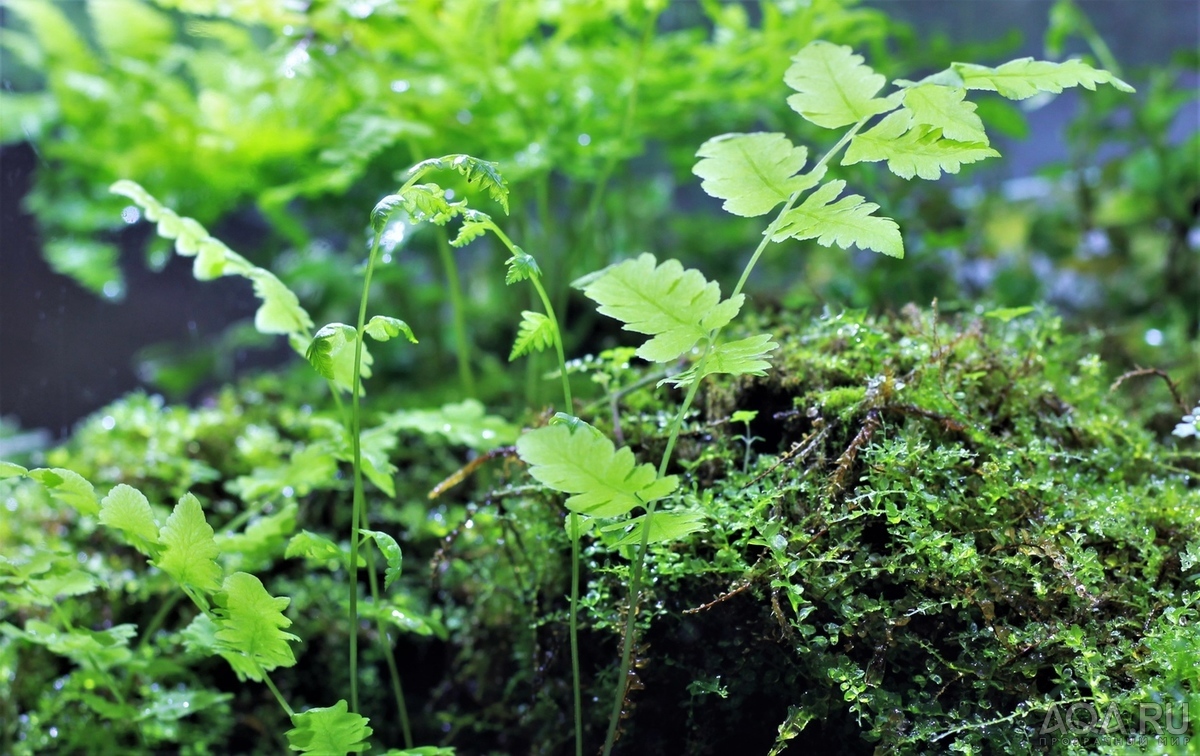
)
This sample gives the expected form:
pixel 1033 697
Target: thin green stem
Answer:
pixel 277 694
pixel 388 654
pixel 159 617
pixel 558 344
pixel 462 346
pixel 358 515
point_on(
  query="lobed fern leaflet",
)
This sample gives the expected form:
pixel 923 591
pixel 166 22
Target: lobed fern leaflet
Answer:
pixel 834 87
pixel 676 307
pixel 329 731
pixel 391 553
pixel 910 150
pixel 250 625
pixel 742 357
pixel 481 173
pixel 189 551
pixel 945 108
pixel 535 334
pixel 844 222
pixel 753 173
pixel 127 510
pixel 331 353
pixel 1025 77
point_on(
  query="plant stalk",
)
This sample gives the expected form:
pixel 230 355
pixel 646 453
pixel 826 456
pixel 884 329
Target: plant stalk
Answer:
pixel 462 345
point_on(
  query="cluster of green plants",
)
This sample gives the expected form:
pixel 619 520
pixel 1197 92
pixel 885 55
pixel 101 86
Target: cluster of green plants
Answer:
pixel 265 479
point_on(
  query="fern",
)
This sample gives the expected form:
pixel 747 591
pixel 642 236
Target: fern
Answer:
pixel 480 173
pixel 329 731
pixel 945 108
pixel 603 481
pixel 317 549
pixel 1025 77
pixel 913 151
pixel 834 87
pixel 69 487
pixel 127 510
pixel 677 308
pixel 386 328
pixel 753 173
pixel 743 357
pixel 535 334
pixel 391 553
pixel 189 551
pixel 844 222
pixel 250 627
pixel 331 353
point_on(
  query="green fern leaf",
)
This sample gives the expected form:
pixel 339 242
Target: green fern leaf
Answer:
pixel 189 552
pixel 280 311
pixel 331 731
pixel 317 549
pixel 384 328
pixel 383 211
pixel 834 87
pixel 606 482
pixel 752 172
pixel 676 307
pixel 521 267
pixel 664 526
pixel 250 625
pixel 391 552
pixel 11 470
pixel 127 510
pixel 69 487
pixel 743 357
pixel 535 334
pixel 475 224
pixel 331 353
pixel 913 150
pixel 478 172
pixel 945 108
pixel 845 222
pixel 1025 77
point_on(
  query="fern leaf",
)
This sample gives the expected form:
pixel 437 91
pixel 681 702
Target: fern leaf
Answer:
pixel 11 470
pixel 752 172
pixel 250 627
pixel 535 334
pixel 127 510
pixel 189 552
pixel 280 311
pixel 466 423
pixel 834 87
pixel 482 173
pixel 1025 77
pixel 913 150
pixel 331 353
pixel 845 222
pixel 385 328
pixel 664 526
pixel 945 108
pixel 475 224
pixel 521 267
pixel 331 731
pixel 428 203
pixel 318 549
pixel 676 307
pixel 743 357
pixel 69 487
pixel 391 552
pixel 606 482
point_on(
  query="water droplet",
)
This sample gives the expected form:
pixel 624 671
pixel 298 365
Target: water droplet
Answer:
pixel 1154 337
pixel 400 85
pixel 464 117
pixel 131 214
pixel 584 140
pixel 109 422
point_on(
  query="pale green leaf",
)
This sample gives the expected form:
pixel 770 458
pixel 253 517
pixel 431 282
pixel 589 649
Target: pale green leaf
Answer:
pixel 391 552
pixel 92 263
pixel 676 307
pixel 331 731
pixel 11 470
pixel 69 583
pixel 742 357
pixel 319 549
pixel 521 267
pixel 331 353
pixel 535 334
pixel 577 525
pixel 383 211
pixel 606 482
pixel 664 526
pixel 375 447
pixel 834 87
pixel 844 222
pixel 752 172
pixel 90 649
pixel 475 224
pixel 384 328
pixel 913 150
pixel 189 551
pixel 945 108
pixel 260 543
pixel 1025 77
pixel 481 173
pixel 127 510
pixel 465 422
pixel 250 627
pixel 69 487
pixel 200 636
pixel 280 311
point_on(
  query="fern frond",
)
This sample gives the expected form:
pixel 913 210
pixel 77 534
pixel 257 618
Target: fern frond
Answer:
pixel 318 549
pixel 127 510
pixel 676 307
pixel 1025 77
pixel 535 334
pixel 521 267
pixel 945 108
pixel 913 150
pixel 845 222
pixel 391 553
pixel 386 328
pixel 330 731
pixel 604 481
pixel 482 173
pixel 664 526
pixel 752 172
pixel 331 353
pixel 742 357
pixel 834 87
pixel 69 487
pixel 189 553
pixel 250 627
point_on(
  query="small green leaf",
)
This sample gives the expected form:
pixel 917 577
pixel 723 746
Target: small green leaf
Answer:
pixel 69 487
pixel 391 552
pixel 475 224
pixel 746 356
pixel 384 328
pixel 535 334
pixel 127 510
pixel 834 88
pixel 189 551
pixel 521 267
pixel 331 353
pixel 331 731
pixel 1025 77
pixel 465 422
pixel 577 525
pixel 280 311
pixel 845 222
pixel 1006 314
pixel 383 211
pixel 743 416
pixel 945 108
pixel 250 625
pixel 11 470
pixel 605 482
pixel 317 548
pixel 676 307
pixel 483 173
pixel 913 150
pixel 752 172
pixel 664 526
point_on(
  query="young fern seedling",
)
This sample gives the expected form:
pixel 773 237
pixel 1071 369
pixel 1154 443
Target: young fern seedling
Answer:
pixel 924 129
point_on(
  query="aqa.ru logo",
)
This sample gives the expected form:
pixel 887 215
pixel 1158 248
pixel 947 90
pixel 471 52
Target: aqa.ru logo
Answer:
pixel 1151 719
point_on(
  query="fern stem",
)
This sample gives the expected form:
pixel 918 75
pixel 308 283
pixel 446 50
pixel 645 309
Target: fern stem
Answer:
pixel 462 346
pixel 388 654
pixel 358 514
pixel 277 694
